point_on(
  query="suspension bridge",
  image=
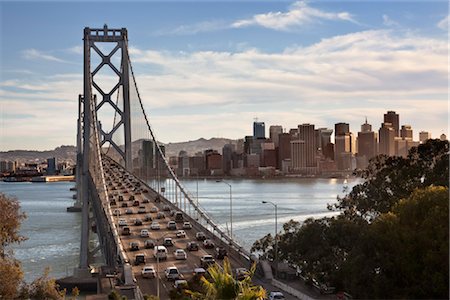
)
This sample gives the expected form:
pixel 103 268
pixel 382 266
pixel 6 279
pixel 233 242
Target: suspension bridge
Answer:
pixel 123 175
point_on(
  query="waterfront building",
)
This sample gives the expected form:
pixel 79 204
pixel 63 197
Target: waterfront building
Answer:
pixel 342 146
pixel 227 156
pixel 51 166
pixel 284 148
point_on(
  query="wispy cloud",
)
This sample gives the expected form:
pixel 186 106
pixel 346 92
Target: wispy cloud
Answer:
pixel 206 26
pixel 444 23
pixel 300 13
pixel 34 54
pixel 388 21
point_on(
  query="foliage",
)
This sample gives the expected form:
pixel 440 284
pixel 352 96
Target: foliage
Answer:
pixel 13 286
pixel 219 283
pixel 391 239
pixel 389 179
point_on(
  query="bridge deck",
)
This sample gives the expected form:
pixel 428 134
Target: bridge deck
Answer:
pixel 121 183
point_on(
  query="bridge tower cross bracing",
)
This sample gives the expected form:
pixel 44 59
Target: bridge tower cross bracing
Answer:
pixel 92 39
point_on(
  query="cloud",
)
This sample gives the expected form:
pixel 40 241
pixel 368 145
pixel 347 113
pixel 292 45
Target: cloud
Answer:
pixel 387 21
pixel 443 24
pixel 218 93
pixel 298 14
pixel 206 26
pixel 33 54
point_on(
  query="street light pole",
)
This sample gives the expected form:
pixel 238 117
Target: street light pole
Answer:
pixel 276 236
pixel 231 206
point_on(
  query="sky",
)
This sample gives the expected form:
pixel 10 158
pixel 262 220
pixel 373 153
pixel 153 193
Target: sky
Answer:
pixel 209 68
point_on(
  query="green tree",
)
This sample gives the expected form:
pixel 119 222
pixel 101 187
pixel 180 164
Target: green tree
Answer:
pixel 389 179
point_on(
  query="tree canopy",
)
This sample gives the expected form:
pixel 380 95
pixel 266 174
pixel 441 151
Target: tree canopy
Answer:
pixel 391 239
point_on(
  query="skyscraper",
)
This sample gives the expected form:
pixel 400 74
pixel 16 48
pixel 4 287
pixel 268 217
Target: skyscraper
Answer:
pixel 274 131
pixel 387 139
pixel 367 144
pixel 51 166
pixel 284 148
pixel 259 130
pixel 323 141
pixel 424 136
pixel 342 146
pixel 227 153
pixel 393 118
pixel 406 132
pixel 307 134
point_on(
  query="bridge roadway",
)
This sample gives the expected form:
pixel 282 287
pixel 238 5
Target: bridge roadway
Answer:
pixel 121 183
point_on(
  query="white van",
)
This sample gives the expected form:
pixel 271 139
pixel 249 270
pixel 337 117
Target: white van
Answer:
pixel 160 252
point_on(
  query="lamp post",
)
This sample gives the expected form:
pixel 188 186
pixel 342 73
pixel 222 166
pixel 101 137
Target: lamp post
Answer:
pixel 276 238
pixel 231 207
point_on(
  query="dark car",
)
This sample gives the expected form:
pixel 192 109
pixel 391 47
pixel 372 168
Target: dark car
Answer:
pixel 124 204
pixel 137 222
pixel 149 244
pixel 134 246
pixel 168 242
pixel 126 231
pixel 220 252
pixel 136 203
pixel 192 246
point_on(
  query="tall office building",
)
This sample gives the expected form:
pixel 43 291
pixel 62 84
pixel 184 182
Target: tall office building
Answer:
pixel 406 132
pixel 393 118
pixel 424 136
pixel 274 132
pixel 323 142
pixel 284 148
pixel 387 139
pixel 227 154
pixel 307 134
pixel 342 146
pixel 259 130
pixel 367 145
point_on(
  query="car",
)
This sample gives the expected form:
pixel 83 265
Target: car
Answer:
pixel 137 222
pixel 160 252
pixel 171 225
pixel 241 273
pixel 200 236
pixel 148 244
pixel 187 225
pixel 129 211
pixel 145 191
pixel 206 261
pixel 160 215
pixel 208 244
pixel 148 217
pixel 145 200
pixel 220 252
pixel 181 234
pixel 131 198
pixel 126 231
pixel 154 209
pixel 123 222
pixel 148 272
pixel 134 246
pixel 172 273
pixel 136 203
pixel 166 208
pixel 276 295
pixel 124 204
pixel 180 284
pixel 112 202
pixel 192 246
pixel 155 226
pixel 168 242
pixel 139 259
pixel 180 254
pixel 144 233
pixel 199 272
pixel 116 212
pixel 125 192
pixel 141 210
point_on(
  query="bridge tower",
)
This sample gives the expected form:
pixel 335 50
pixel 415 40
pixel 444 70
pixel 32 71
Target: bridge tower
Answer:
pixel 93 38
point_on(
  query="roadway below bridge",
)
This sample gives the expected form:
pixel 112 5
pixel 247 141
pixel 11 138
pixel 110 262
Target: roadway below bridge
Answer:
pixel 131 200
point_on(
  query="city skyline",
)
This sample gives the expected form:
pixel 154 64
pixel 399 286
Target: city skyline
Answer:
pixel 286 63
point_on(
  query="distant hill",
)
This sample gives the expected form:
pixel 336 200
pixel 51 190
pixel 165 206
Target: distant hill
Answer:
pixel 68 153
pixel 63 153
pixel 192 147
